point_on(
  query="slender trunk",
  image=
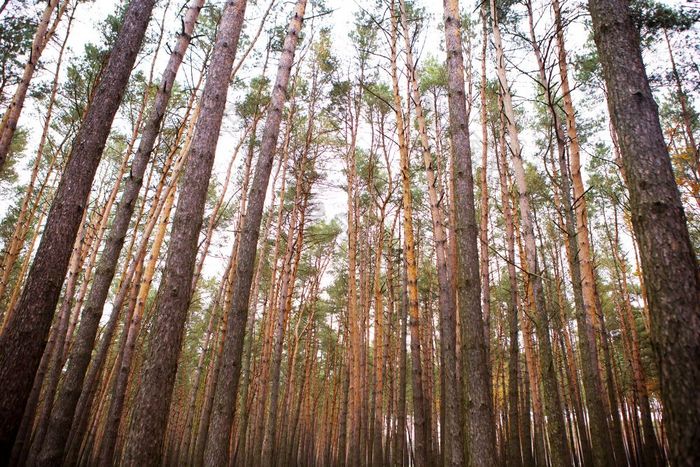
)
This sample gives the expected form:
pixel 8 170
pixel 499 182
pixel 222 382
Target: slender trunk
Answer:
pixel 400 446
pixel 480 431
pixel 514 454
pixel 44 32
pixel 85 395
pixel 56 363
pixel 216 451
pixel 650 446
pixel 283 308
pixel 555 420
pixel 420 408
pixel 453 449
pixel 484 202
pixel 131 333
pixel 25 216
pixel 183 449
pixel 584 290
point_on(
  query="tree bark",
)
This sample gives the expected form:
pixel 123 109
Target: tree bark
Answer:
pixel 79 357
pixel 147 430
pixel 422 451
pixel 453 448
pixel 668 260
pixel 130 334
pixel 555 420
pixel 514 456
pixel 44 32
pixel 481 442
pixel 216 451
pixel 24 339
pixel 579 260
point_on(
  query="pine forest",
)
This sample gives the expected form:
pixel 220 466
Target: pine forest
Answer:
pixel 350 233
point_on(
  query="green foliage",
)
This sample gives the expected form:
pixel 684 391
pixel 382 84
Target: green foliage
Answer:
pixel 538 187
pixel 433 76
pixel 16 33
pixel 323 53
pixel 506 11
pixel 258 96
pixel 364 36
pixel 8 173
pixel 651 16
pixel 379 98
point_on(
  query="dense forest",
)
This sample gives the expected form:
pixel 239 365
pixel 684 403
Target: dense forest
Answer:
pixel 350 233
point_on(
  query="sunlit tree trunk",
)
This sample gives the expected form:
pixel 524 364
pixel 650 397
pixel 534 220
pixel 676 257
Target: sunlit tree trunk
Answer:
pixel 420 408
pixel 451 393
pixel 44 32
pixel 26 215
pixel 555 421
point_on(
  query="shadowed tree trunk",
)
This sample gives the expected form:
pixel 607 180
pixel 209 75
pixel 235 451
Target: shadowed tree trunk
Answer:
pixel 216 451
pixel 453 447
pixel 669 264
pixel 130 334
pixel 144 441
pixel 79 356
pixel 421 407
pixel 23 341
pixel 584 290
pixel 480 430
pixel 560 454
pixel 514 458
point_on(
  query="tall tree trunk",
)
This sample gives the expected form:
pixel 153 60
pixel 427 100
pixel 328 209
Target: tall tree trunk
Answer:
pixel 79 356
pixel 481 440
pixel 23 341
pixel 25 216
pixel 683 100
pixel 349 448
pixel 584 290
pixel 669 264
pixel 514 452
pixel 400 446
pixel 130 334
pixel 484 201
pixel 555 420
pixel 50 383
pixel 283 308
pixel 44 32
pixel 216 451
pixel 132 271
pixel 588 283
pixel 650 446
pixel 453 448
pixel 420 404
pixel 147 430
